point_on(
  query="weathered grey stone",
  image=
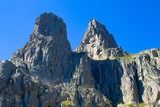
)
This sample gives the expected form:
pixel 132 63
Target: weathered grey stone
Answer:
pixel 46 73
pixel 6 71
pixel 48 52
pixel 98 43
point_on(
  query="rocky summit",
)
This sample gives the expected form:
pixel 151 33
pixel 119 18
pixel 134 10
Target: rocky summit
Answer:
pixel 98 43
pixel 47 73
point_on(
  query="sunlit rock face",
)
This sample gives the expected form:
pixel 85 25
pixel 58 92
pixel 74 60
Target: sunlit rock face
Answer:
pixel 47 73
pixel 98 43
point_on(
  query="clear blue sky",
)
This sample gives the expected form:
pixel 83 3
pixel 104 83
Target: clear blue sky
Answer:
pixel 135 24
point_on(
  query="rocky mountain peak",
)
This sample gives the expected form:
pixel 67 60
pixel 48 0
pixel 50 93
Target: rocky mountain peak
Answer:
pixel 96 26
pixel 49 24
pixel 97 32
pixel 97 42
pixel 48 49
pixel 46 73
pixel 93 23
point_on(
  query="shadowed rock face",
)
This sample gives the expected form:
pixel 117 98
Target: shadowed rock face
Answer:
pixel 48 52
pixel 46 73
pixel 49 24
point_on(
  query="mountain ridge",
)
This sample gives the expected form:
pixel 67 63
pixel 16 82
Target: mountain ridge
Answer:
pixel 47 73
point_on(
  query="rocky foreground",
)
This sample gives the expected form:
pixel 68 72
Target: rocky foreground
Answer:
pixel 47 73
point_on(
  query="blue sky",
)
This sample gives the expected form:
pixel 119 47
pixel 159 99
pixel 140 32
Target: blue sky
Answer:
pixel 135 24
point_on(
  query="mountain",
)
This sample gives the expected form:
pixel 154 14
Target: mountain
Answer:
pixel 98 43
pixel 47 73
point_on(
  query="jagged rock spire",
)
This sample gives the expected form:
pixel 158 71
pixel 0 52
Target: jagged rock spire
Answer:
pixel 49 24
pixel 98 42
pixel 48 51
pixel 97 34
pixel 47 73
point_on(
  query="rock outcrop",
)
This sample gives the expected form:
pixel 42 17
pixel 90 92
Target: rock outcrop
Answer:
pixel 46 73
pixel 98 43
pixel 48 52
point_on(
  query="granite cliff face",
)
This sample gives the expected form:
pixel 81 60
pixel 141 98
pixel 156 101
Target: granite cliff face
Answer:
pixel 46 73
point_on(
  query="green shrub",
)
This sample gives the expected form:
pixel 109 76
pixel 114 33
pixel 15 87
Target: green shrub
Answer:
pixel 131 105
pixel 67 103
pixel 128 57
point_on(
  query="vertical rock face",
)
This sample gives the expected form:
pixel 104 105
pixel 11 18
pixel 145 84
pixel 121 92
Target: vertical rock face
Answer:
pixel 48 24
pixel 140 82
pixel 46 73
pixel 108 74
pixel 6 70
pixel 99 43
pixel 48 51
